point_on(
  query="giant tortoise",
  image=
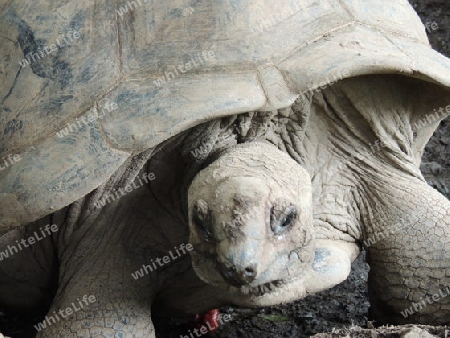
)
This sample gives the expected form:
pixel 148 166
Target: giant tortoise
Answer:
pixel 169 157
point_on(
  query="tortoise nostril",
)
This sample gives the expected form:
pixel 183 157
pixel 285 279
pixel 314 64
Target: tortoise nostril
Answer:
pixel 238 276
pixel 250 271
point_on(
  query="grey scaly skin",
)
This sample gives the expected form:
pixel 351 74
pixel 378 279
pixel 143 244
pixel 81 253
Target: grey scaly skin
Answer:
pixel 276 208
pixel 409 264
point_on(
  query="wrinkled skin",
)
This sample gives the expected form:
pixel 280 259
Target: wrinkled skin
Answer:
pixel 281 211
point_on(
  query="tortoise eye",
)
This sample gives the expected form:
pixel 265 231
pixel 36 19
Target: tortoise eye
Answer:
pixel 282 221
pixel 202 218
pixel 287 221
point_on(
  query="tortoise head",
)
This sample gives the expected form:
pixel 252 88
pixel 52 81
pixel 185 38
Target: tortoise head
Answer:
pixel 251 225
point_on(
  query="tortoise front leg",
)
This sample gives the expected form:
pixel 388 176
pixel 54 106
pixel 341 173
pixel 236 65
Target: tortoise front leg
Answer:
pixel 98 296
pixel 408 236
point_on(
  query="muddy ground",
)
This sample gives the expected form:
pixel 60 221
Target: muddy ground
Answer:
pixel 346 305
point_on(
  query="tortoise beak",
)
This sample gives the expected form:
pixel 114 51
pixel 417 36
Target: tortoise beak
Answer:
pixel 238 275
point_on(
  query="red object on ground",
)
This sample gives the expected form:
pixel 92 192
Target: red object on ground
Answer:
pixel 211 320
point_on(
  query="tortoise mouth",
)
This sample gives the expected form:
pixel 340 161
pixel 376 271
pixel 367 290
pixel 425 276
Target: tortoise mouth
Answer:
pixel 267 292
pixel 247 289
pixel 261 290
